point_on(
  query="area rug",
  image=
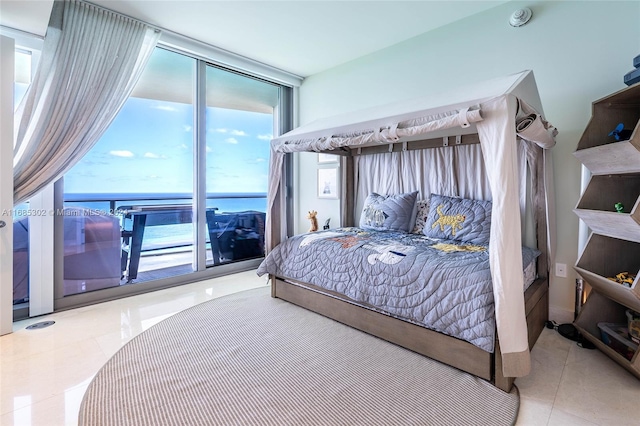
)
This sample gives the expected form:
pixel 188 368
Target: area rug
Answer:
pixel 249 359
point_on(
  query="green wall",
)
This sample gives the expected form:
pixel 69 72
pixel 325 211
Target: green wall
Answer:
pixel 578 50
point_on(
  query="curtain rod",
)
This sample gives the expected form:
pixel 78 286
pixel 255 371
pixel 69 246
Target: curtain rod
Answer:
pixel 154 27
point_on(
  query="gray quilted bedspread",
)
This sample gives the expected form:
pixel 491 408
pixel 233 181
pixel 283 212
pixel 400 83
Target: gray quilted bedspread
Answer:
pixel 404 275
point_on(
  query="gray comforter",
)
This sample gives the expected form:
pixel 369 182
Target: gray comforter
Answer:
pixel 439 284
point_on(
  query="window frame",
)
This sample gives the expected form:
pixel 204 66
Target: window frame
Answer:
pixel 285 118
pixel 283 122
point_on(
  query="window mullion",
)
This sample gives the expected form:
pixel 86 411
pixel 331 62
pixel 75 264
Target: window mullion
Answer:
pixel 199 166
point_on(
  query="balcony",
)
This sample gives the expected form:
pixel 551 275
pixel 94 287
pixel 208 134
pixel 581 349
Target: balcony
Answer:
pixel 112 240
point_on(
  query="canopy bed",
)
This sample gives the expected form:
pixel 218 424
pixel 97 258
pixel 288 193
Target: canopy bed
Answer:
pixel 481 150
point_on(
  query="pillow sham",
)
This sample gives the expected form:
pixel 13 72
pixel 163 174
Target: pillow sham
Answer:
pixel 422 211
pixel 395 212
pixel 458 219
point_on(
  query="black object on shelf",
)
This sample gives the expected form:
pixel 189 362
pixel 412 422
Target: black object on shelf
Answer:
pixel 620 133
pixel 632 77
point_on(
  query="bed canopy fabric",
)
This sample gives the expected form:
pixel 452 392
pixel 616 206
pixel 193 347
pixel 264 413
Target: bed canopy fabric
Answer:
pixel 499 111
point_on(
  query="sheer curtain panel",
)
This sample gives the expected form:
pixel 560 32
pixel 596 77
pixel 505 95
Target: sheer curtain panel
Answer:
pixel 90 62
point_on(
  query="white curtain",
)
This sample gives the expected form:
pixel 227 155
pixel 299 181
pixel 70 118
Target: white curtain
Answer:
pixel 500 151
pixel 273 237
pixel 453 171
pixel 90 62
pixel 390 132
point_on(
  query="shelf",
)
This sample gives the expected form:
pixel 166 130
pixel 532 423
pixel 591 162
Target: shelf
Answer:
pixel 601 153
pixel 618 157
pixel 597 206
pixel 605 257
pixel 599 308
pixel 614 245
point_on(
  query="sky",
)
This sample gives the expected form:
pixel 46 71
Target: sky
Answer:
pixel 149 148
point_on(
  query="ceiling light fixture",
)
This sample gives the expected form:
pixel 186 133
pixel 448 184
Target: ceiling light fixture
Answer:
pixel 520 17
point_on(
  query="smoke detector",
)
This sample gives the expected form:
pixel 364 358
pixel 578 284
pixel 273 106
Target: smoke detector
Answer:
pixel 520 17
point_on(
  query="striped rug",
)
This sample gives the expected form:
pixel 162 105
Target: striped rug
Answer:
pixel 248 359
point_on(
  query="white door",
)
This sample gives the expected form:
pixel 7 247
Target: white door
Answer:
pixel 7 49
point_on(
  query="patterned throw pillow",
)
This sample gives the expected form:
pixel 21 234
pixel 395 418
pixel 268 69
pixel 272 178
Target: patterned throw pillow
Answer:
pixel 389 212
pixel 459 219
pixel 422 212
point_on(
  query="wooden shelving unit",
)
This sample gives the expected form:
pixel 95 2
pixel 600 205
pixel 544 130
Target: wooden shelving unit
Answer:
pixel 596 206
pixel 602 309
pixel 614 245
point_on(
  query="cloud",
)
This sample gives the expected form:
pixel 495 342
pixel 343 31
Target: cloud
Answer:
pixel 165 108
pixel 234 132
pixel 231 141
pixel 124 154
pixel 152 155
pixel 183 146
pixel 209 149
pixel 187 128
pixel 95 162
pixel 265 137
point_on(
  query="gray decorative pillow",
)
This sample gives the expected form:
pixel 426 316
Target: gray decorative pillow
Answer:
pixel 459 219
pixel 422 211
pixel 389 212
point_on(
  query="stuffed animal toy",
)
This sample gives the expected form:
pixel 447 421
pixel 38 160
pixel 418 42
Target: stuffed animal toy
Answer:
pixel 314 221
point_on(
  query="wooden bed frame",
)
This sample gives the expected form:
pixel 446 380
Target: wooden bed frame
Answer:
pixel 446 349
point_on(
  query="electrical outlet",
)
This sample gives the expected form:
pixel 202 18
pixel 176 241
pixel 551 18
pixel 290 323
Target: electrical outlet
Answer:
pixel 561 270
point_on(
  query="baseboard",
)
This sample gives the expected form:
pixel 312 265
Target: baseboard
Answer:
pixel 560 315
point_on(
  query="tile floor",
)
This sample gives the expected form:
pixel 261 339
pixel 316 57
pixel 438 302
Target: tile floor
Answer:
pixel 44 373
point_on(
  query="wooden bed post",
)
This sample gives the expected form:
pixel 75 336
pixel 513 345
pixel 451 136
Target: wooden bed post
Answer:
pixel 541 214
pixel 499 381
pixel 275 221
pixel 347 196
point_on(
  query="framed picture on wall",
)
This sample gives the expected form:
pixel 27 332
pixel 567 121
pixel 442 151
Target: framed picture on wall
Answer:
pixel 328 183
pixel 327 158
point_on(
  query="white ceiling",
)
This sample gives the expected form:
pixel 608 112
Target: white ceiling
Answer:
pixel 302 37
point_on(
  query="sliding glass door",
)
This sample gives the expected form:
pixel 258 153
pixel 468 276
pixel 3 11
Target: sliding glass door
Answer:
pixel 175 188
pixel 128 202
pixel 239 127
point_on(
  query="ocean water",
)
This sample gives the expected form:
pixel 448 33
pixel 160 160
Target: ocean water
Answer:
pixel 175 234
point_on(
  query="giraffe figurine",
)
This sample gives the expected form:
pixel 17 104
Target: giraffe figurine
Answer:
pixel 314 221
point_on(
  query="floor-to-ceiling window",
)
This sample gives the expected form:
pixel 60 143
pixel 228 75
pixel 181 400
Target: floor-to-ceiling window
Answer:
pixel 134 207
pixel 128 202
pixel 239 126
pixel 175 190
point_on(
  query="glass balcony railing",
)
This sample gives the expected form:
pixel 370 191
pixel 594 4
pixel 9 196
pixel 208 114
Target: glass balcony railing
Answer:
pixel 117 239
